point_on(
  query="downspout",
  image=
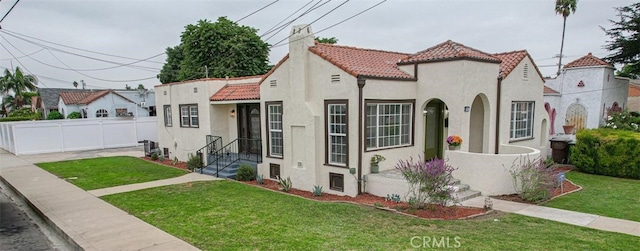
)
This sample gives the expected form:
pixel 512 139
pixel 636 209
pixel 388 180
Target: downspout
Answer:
pixel 499 95
pixel 361 83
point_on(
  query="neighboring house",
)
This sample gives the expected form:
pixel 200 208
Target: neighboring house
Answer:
pixel 324 110
pixel 634 95
pixel 50 98
pixel 101 103
pixel 584 94
pixel 144 98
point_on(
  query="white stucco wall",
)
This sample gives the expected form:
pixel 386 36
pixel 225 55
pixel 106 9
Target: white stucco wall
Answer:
pixel 517 88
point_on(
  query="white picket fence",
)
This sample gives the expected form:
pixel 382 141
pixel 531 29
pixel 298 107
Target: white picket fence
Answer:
pixel 47 136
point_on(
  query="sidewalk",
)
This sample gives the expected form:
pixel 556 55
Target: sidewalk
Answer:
pixel 86 221
pixel 561 215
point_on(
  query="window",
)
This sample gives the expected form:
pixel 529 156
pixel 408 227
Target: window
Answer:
pixel 521 119
pixel 167 116
pixel 336 182
pixel 337 131
pixel 389 125
pixel 189 116
pixel 274 125
pixel 274 171
pixel 102 113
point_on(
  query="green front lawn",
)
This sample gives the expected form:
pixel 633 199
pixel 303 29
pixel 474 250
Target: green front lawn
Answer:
pixel 602 195
pixel 225 215
pixel 90 174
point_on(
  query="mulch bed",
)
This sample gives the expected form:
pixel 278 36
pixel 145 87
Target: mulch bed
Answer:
pixel 432 211
pixel 567 187
pixel 169 163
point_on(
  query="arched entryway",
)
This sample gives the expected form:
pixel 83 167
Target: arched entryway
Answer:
pixel 434 116
pixel 477 126
pixel 577 116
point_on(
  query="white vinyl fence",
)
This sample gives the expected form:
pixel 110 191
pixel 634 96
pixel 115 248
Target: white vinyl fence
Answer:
pixel 46 136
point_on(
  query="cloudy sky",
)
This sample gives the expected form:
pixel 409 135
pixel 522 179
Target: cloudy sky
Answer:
pixel 43 36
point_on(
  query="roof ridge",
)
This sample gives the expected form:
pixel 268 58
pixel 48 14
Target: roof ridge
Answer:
pixel 511 52
pixel 359 48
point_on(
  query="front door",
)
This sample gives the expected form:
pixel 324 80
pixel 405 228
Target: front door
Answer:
pixel 249 128
pixel 433 121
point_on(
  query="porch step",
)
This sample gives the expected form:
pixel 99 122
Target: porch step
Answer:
pixel 228 172
pixel 466 194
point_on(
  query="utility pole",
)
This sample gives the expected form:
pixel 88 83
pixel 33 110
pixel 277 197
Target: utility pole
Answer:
pixel 83 84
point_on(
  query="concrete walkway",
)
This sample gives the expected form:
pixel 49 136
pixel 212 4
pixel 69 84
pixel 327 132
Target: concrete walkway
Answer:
pixel 561 215
pixel 86 221
pixel 191 177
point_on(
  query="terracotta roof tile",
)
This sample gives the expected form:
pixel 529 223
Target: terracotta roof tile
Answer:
pixel 548 90
pixel 511 59
pixel 634 90
pixel 366 62
pixel 448 50
pixel 237 92
pixel 588 60
pixel 83 98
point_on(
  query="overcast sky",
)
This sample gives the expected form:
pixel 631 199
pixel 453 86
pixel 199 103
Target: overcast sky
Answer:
pixel 142 29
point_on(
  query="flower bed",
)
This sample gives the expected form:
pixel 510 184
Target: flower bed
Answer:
pixel 169 163
pixel 432 211
pixel 567 187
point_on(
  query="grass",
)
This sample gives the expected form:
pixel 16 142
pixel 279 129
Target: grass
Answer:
pixel 602 195
pixel 225 215
pixel 96 173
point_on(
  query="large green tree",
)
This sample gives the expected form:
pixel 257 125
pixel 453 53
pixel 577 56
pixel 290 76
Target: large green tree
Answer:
pixel 625 43
pixel 327 40
pixel 218 49
pixel 19 84
pixel 564 8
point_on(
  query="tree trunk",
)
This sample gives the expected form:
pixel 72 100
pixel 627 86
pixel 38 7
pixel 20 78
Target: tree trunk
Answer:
pixel 564 25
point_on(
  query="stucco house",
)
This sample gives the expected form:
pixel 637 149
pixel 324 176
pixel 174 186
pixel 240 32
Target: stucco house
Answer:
pixel 584 93
pixel 100 103
pixel 324 110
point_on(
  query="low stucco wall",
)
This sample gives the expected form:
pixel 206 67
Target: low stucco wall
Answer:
pixel 380 185
pixel 489 173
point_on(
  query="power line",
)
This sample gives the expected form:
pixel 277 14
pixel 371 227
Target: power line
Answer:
pixel 275 27
pixel 325 14
pixel 333 25
pixel 101 79
pixel 257 11
pixel 26 55
pixel 25 68
pixel 83 56
pixel 13 33
pixel 5 15
pixel 311 9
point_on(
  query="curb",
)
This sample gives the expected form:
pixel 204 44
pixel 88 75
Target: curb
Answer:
pixel 64 236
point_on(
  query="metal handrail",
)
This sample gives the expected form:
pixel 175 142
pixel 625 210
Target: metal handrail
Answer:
pixel 231 153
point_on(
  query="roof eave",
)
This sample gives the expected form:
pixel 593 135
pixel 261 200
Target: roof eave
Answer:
pixel 496 61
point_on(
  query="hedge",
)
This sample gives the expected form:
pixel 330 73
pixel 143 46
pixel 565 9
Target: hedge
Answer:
pixel 607 152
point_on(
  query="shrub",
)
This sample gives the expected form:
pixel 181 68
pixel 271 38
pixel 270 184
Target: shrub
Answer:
pixel 260 179
pixel 285 184
pixel 74 115
pixel 246 173
pixel 393 197
pixel 607 152
pixel 624 120
pixel 317 190
pixel 429 181
pixel 154 156
pixel 532 180
pixel 22 114
pixel 55 115
pixel 194 162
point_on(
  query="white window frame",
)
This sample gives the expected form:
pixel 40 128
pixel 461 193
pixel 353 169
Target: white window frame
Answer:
pixel 387 117
pixel 274 124
pixel 168 120
pixel 102 113
pixel 189 116
pixel 521 122
pixel 337 131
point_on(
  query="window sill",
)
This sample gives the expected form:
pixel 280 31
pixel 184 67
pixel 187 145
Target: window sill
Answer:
pixel 520 139
pixel 335 165
pixel 274 157
pixel 387 148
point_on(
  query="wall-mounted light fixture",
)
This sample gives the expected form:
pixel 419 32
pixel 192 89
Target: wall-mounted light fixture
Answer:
pixel 232 113
pixel 467 109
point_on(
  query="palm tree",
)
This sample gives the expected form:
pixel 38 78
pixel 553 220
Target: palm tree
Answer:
pixel 19 83
pixel 564 7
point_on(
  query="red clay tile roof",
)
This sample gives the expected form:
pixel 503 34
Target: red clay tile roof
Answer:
pixel 448 50
pixel 83 98
pixel 634 90
pixel 265 76
pixel 588 60
pixel 511 59
pixel 365 62
pixel 237 92
pixel 548 90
